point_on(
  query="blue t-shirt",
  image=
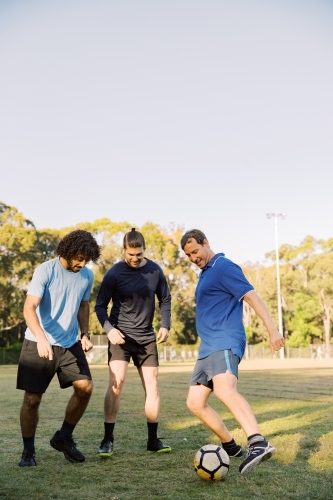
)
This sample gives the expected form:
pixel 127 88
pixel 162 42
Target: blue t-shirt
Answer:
pixel 219 308
pixel 61 292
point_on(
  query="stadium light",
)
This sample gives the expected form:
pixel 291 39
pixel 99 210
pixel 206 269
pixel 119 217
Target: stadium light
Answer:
pixel 276 217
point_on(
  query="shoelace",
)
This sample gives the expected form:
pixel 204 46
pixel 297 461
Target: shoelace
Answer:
pixel 252 449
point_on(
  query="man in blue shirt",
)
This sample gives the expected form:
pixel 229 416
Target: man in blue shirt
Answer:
pixel 56 305
pixel 221 289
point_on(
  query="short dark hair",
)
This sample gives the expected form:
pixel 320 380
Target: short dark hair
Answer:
pixel 79 243
pixel 134 239
pixel 196 234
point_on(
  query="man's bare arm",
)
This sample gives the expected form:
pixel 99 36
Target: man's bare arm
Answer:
pixel 83 319
pixel 276 338
pixel 29 312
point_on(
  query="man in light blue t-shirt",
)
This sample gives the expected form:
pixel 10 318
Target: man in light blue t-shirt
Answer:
pixel 220 292
pixel 55 307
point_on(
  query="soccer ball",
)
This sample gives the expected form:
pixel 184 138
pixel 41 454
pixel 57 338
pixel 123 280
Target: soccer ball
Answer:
pixel 211 462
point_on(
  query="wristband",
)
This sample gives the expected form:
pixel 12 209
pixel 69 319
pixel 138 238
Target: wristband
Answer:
pixel 85 335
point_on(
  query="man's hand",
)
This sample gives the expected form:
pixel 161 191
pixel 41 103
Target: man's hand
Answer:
pixel 162 335
pixel 44 349
pixel 116 337
pixel 277 340
pixel 87 345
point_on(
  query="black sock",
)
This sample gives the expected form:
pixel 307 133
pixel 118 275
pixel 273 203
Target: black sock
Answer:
pixel 66 430
pixel 108 431
pixel 152 431
pixel 229 444
pixel 29 443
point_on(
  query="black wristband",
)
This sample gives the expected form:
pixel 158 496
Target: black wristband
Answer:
pixel 85 335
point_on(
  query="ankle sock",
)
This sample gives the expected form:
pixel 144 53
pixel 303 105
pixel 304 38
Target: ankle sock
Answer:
pixel 229 445
pixel 29 443
pixel 108 431
pixel 152 431
pixel 66 430
pixel 255 438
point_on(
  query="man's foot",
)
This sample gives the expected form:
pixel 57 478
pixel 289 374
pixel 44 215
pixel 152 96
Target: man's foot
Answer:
pixel 106 448
pixel 234 450
pixel 68 447
pixel 256 453
pixel 158 446
pixel 28 459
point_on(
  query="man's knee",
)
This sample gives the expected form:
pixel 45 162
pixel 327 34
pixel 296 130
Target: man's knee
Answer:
pixel 31 400
pixel 116 383
pixel 193 404
pixel 83 388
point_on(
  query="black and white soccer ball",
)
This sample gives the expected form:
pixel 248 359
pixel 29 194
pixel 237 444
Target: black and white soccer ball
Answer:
pixel 211 462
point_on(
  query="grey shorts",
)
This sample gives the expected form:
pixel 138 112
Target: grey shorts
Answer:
pixel 144 354
pixel 214 364
pixel 35 373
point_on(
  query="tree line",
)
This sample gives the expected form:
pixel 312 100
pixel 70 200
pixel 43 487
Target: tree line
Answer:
pixel 306 278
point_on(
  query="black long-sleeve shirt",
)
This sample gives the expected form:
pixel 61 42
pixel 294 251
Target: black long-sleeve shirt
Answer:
pixel 132 291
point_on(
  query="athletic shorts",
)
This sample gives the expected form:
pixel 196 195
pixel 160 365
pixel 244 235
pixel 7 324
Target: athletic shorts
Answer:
pixel 144 354
pixel 35 373
pixel 214 364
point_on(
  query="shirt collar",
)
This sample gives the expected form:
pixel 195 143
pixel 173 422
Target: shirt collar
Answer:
pixel 213 260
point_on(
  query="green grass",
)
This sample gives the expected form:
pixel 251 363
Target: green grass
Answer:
pixel 293 407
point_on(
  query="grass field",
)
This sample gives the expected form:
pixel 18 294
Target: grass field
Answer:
pixel 293 407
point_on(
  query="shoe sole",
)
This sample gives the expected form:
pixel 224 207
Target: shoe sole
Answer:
pixel 257 461
pixel 167 450
pixel 105 454
pixel 70 459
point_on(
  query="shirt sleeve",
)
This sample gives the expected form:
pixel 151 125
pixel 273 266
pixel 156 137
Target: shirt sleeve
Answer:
pixel 87 292
pixel 164 301
pixel 233 281
pixel 38 282
pixel 103 298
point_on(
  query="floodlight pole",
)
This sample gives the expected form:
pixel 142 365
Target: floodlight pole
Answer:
pixel 278 283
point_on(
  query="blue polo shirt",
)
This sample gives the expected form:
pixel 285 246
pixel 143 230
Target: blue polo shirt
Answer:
pixel 219 308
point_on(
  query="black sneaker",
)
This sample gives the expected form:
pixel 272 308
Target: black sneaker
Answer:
pixel 158 446
pixel 106 448
pixel 68 447
pixel 28 459
pixel 234 450
pixel 256 453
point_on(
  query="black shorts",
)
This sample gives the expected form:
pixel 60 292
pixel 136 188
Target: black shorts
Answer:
pixel 35 373
pixel 143 354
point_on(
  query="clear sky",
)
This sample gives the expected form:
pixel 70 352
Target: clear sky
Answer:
pixel 205 114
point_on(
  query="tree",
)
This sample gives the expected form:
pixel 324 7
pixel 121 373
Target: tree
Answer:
pixel 18 238
pixel 321 285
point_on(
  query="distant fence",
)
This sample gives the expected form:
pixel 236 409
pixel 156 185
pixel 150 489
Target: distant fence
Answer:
pixel 179 354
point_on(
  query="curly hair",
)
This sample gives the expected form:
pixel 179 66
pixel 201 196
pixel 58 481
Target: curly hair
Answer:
pixel 79 243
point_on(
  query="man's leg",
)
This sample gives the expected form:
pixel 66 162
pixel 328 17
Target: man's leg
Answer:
pixel 225 389
pixel 117 377
pixel 63 439
pixel 148 375
pixel 197 404
pixel 29 419
pixel 79 401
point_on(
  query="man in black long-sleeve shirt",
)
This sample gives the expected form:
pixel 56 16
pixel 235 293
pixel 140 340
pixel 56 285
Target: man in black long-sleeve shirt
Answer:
pixel 132 285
